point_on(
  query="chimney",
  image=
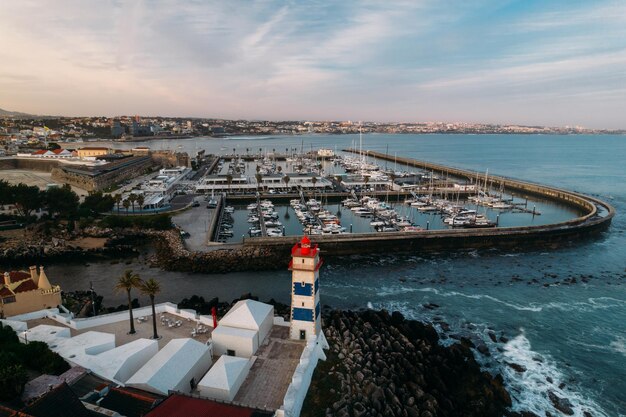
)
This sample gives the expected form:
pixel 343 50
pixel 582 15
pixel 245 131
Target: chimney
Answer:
pixel 7 279
pixel 43 284
pixel 33 274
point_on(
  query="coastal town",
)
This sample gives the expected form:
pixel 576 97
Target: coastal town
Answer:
pixel 23 129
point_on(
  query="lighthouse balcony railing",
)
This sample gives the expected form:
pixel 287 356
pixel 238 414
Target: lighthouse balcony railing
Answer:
pixel 298 250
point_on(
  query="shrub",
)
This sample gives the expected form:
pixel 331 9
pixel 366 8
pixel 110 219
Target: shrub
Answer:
pixel 156 222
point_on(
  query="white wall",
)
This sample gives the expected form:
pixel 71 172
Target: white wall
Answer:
pixel 266 327
pixel 197 371
pixel 135 361
pixel 243 342
pixel 297 390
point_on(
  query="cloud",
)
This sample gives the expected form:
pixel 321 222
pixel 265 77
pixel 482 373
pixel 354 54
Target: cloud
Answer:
pixel 396 60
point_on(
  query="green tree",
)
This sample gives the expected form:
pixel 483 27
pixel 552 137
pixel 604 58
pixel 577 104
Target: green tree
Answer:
pixel 12 381
pixel 140 200
pixel 5 192
pixel 127 282
pixel 151 288
pixel 132 198
pixel 286 180
pixel 126 204
pixel 37 356
pixel 61 201
pixel 98 202
pixel 118 199
pixel 27 199
pixel 52 146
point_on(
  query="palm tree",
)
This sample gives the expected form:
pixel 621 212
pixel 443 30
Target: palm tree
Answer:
pixel 258 177
pixel 126 204
pixel 279 169
pixel 118 199
pixel 127 282
pixel 229 180
pixel 151 288
pixel 140 200
pixel 286 180
pixel 132 198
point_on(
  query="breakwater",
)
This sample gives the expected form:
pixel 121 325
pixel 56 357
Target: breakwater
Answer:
pixel 380 364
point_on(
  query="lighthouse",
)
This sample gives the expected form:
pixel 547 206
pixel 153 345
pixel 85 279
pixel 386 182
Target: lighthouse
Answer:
pixel 305 297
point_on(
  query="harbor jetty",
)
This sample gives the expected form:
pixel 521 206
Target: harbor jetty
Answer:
pixel 596 216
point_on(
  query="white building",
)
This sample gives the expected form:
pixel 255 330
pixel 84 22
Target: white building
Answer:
pixel 269 182
pixel 325 152
pixel 177 367
pixel 224 378
pixel 95 350
pixel 243 329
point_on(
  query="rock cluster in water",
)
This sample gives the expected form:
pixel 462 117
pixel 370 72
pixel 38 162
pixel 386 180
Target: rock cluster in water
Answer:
pixel 173 256
pixel 380 364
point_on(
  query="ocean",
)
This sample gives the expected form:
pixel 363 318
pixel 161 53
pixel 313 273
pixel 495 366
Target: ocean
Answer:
pixel 561 312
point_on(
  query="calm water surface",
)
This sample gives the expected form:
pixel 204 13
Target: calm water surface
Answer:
pixel 571 333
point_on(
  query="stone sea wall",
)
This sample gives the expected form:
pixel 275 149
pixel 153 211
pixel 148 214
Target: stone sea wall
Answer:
pixel 172 255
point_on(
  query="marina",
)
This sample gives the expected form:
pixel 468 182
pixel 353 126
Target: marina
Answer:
pixel 363 195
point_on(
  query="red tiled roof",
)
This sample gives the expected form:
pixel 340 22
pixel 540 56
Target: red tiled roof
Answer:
pixel 40 152
pixel 15 276
pixel 58 151
pixel 5 292
pixel 9 412
pixel 25 286
pixel 128 403
pixel 181 406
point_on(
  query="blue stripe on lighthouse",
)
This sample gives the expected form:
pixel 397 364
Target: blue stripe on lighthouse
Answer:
pixel 317 284
pixel 299 289
pixel 302 314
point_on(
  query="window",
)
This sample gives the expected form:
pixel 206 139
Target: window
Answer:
pixel 302 334
pixel 303 304
pixel 7 300
pixel 230 352
pixel 302 260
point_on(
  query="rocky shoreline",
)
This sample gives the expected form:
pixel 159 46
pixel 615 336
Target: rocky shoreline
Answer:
pixel 30 247
pixel 380 364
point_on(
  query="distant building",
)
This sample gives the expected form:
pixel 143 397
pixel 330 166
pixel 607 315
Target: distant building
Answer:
pixel 93 151
pixel 325 152
pixel 117 130
pixel 23 292
pixel 140 150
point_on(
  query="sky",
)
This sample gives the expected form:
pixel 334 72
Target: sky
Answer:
pixel 548 62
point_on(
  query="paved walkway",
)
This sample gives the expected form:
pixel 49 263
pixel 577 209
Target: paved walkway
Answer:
pixel 196 222
pixel 271 373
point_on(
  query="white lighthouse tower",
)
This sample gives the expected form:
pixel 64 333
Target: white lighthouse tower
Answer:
pixel 305 297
